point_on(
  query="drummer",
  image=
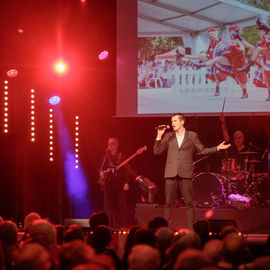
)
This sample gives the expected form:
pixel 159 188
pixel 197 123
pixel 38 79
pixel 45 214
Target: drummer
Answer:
pixel 237 147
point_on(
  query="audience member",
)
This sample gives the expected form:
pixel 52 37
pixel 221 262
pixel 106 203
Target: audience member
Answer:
pixel 90 266
pixel 227 230
pixel 157 223
pixel 1 220
pixel 202 228
pixel 32 256
pixel 188 240
pixel 191 259
pixel 98 218
pixel 8 239
pixel 144 257
pixel 28 222
pixel 261 263
pixel 234 252
pixel 128 245
pixel 74 232
pixel 213 251
pixel 44 233
pixel 144 236
pixel 101 238
pixel 164 239
pixel 74 253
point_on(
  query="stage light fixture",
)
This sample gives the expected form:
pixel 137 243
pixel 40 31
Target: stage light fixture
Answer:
pixel 51 153
pixel 5 118
pixel 60 67
pixel 76 138
pixel 12 73
pixel 54 100
pixel 32 112
pixel 103 55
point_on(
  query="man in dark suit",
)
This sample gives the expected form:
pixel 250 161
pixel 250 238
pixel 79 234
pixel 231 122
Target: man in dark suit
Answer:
pixel 180 145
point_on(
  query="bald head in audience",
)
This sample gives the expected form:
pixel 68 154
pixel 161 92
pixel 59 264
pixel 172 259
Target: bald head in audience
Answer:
pixel 44 233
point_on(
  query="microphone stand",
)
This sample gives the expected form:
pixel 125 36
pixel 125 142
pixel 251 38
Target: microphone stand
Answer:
pixel 103 162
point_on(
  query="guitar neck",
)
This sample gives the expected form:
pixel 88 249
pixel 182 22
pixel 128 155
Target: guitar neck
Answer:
pixel 126 161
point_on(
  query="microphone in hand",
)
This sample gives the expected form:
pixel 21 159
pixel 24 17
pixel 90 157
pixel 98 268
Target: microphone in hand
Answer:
pixel 162 127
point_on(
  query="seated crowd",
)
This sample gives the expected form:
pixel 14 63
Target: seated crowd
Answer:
pixel 45 246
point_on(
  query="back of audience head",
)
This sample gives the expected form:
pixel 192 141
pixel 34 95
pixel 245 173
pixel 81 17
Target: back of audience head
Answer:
pixel 189 240
pixel 1 220
pixel 32 256
pixel 164 238
pixel 130 238
pixel 101 237
pixel 213 251
pixel 234 249
pixel 8 233
pixel 261 263
pixel 191 259
pixel 157 223
pixel 74 253
pixel 227 230
pixel 44 233
pixel 98 218
pixel 29 219
pixel 144 257
pixel 144 236
pixel 91 266
pixel 202 228
pixel 74 232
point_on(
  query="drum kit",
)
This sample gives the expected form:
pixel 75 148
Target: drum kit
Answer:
pixel 236 186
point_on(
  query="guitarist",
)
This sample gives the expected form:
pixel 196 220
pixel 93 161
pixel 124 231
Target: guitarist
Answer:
pixel 115 184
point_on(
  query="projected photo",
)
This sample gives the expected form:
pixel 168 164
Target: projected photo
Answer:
pixel 203 58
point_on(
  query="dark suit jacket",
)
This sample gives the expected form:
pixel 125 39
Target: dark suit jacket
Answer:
pixel 180 160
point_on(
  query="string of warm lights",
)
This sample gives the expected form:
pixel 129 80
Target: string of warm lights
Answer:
pixel 51 125
pixel 32 112
pixel 76 137
pixel 5 119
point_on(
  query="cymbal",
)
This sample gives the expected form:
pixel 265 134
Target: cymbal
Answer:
pixel 254 161
pixel 248 153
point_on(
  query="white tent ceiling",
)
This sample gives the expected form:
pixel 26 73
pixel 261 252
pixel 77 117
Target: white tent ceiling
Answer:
pixel 178 17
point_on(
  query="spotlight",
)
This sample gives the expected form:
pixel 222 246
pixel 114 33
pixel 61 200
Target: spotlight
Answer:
pixel 60 67
pixel 103 55
pixel 54 100
pixel 12 73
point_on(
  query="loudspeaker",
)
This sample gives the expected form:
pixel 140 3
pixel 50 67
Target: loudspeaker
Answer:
pixel 216 225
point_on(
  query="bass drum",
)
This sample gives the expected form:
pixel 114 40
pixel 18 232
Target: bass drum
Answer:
pixel 208 190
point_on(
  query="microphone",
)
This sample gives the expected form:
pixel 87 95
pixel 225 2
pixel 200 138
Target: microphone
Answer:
pixel 162 127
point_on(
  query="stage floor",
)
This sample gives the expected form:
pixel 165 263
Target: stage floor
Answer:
pixel 248 220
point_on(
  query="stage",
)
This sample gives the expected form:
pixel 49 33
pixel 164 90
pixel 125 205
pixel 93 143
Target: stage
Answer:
pixel 248 220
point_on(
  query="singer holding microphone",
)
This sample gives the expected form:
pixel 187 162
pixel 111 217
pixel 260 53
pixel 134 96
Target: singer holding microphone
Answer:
pixel 180 145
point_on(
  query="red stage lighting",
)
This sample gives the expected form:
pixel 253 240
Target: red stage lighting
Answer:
pixel 60 67
pixel 103 55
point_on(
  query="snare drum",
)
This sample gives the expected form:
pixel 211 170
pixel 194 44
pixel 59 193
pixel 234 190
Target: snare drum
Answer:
pixel 208 190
